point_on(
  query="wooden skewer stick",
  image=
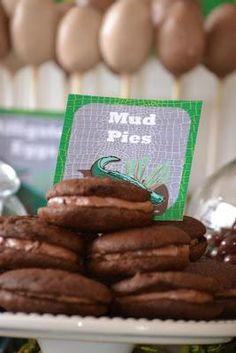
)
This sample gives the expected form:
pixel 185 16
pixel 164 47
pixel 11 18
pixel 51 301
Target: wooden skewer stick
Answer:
pixel 125 89
pixel 66 88
pixel 177 89
pixel 214 130
pixel 8 100
pixel 219 94
pixel 12 77
pixel 34 87
pixel 76 83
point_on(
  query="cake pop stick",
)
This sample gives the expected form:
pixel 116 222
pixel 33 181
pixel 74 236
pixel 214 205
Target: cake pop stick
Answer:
pixel 34 87
pixel 125 89
pixel 76 83
pixel 12 64
pixel 77 42
pixel 180 40
pixel 33 35
pixel 177 89
pixel 220 58
pixel 126 39
pixel 214 131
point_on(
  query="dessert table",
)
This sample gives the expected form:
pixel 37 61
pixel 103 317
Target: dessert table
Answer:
pixel 60 334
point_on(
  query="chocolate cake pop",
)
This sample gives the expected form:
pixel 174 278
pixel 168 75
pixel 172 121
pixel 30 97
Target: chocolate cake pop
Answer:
pixel 11 62
pixel 220 57
pixel 9 6
pixel 180 40
pixel 126 37
pixel 160 9
pixel 4 33
pixel 77 40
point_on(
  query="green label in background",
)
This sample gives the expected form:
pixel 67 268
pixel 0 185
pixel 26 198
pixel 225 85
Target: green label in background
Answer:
pixel 29 143
pixel 148 143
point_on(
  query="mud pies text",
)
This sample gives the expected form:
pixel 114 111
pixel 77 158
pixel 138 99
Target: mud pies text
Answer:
pixel 124 119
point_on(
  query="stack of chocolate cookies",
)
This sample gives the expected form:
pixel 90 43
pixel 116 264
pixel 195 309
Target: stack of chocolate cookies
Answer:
pixel 94 250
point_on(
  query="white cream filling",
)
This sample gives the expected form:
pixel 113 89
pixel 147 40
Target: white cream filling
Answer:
pixel 186 295
pixel 101 202
pixel 40 247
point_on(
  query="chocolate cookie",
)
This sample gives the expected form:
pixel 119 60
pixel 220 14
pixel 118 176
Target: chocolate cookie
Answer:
pixel 225 274
pixel 97 205
pixel 227 297
pixel 29 242
pixel 52 291
pixel 167 295
pixel 196 230
pixel 125 253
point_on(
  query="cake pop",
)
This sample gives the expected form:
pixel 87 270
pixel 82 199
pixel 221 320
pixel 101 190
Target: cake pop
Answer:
pixel 77 42
pixel 126 38
pixel 220 58
pixel 180 40
pixel 33 29
pixel 9 6
pixel 11 62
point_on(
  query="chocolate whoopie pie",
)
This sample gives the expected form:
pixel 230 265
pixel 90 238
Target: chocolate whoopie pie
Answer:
pixel 167 295
pixel 124 253
pixel 225 274
pixel 52 291
pixel 29 242
pixel 196 230
pixel 97 205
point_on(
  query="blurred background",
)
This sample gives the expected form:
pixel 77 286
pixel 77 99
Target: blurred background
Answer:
pixel 157 49
pixel 160 49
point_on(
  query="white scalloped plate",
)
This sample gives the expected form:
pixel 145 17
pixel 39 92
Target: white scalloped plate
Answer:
pixel 61 334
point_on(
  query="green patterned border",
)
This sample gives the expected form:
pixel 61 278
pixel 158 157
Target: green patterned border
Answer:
pixel 193 108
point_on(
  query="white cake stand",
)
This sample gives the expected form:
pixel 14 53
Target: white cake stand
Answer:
pixel 61 334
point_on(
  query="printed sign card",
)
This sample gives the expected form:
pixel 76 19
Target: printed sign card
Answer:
pixel 145 142
pixel 29 143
